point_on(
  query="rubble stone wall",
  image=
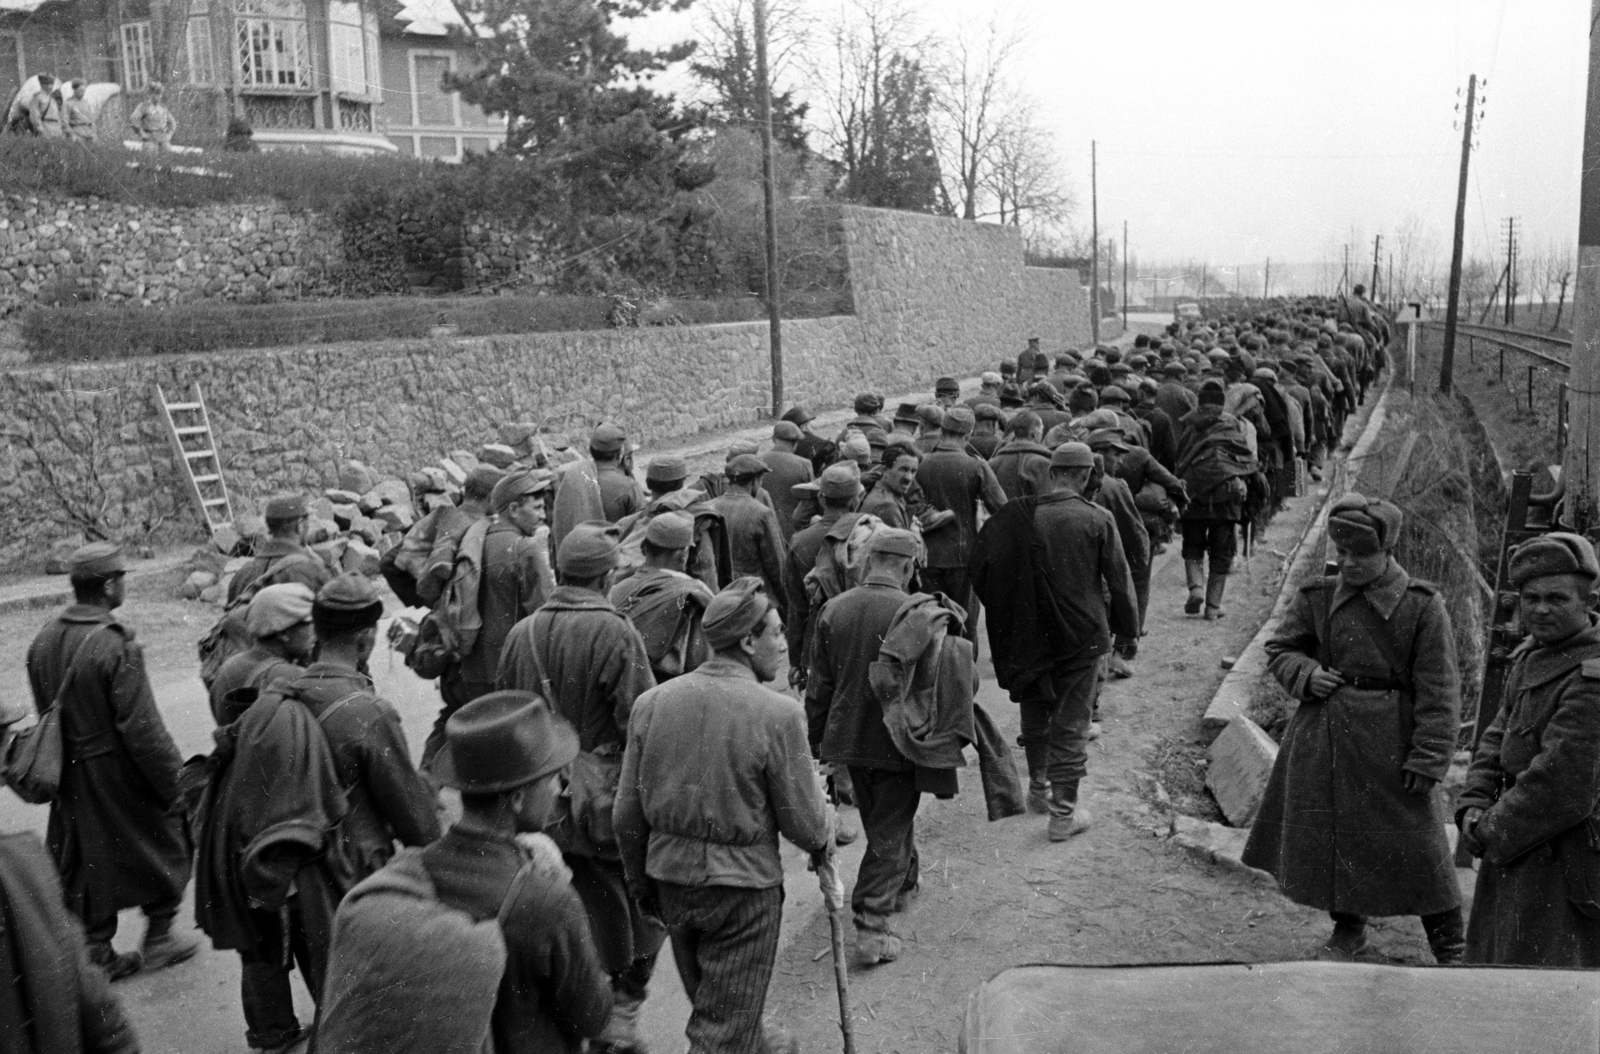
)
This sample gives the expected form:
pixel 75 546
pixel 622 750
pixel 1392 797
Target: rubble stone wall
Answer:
pixel 85 448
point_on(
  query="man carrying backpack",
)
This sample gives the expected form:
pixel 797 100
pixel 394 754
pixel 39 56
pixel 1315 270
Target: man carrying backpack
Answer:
pixel 283 557
pixel 502 574
pixel 716 768
pixel 590 664
pixel 279 618
pixel 478 941
pixel 1213 462
pixel 663 602
pixel 112 831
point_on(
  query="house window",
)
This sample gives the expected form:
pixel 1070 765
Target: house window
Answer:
pixel 198 43
pixel 273 46
pixel 137 58
pixel 440 146
pixel 434 105
pixel 347 62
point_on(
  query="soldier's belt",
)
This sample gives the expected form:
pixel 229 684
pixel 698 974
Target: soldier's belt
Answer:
pixel 1373 684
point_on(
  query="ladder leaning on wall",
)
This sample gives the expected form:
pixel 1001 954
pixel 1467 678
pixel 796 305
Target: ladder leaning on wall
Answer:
pixel 189 424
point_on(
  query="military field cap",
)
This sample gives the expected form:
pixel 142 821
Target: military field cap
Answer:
pixel 799 414
pixel 1120 368
pixel 895 542
pixel 990 379
pixel 668 468
pixel 1552 554
pixel 1149 386
pixel 856 447
pixel 484 477
pixel 746 466
pixel 740 446
pixel 1074 380
pixel 987 412
pixel 790 432
pixel 1138 361
pixel 607 439
pixel 735 612
pixel 1212 393
pixel 1072 455
pixel 97 560
pixel 1265 373
pixel 906 412
pixel 1100 419
pixel 1113 393
pixel 1218 355
pixel 1107 438
pixel 502 741
pixel 1007 369
pixel 946 384
pixel 1364 525
pixel 840 481
pixel 898 445
pixel 346 603
pixel 517 485
pixel 868 403
pixel 589 550
pixel 670 530
pixel 285 508
pixel 930 414
pixel 1174 368
pixel 959 420
pixel 277 608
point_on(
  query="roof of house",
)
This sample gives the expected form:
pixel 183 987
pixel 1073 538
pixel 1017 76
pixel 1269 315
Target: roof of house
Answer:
pixel 423 18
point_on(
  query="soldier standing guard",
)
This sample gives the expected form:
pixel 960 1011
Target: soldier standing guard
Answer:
pixel 114 833
pixel 1350 823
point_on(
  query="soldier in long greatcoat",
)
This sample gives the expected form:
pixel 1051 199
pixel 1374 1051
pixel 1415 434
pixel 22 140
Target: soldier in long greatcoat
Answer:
pixel 114 832
pixel 1531 804
pixel 1350 822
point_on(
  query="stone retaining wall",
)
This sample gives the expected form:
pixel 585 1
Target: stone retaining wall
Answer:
pixel 86 450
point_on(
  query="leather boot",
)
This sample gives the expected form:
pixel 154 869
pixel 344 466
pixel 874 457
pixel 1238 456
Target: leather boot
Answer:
pixel 163 948
pixel 1067 817
pixel 1349 937
pixel 621 1032
pixel 1214 591
pixel 1446 936
pixel 1194 572
pixel 117 966
pixel 1038 782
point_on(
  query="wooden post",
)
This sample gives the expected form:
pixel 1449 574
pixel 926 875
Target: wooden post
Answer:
pixel 1447 359
pixel 1094 244
pixel 769 191
pixel 1582 463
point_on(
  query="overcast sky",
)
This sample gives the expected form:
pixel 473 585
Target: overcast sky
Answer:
pixel 1234 130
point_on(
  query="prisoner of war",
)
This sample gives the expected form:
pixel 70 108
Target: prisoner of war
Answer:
pixel 1349 822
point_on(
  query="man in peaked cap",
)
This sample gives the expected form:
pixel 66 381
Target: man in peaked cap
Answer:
pixel 787 470
pixel 619 491
pixel 283 556
pixel 590 664
pixel 1528 806
pixel 279 621
pixel 846 729
pixel 664 603
pixel 1051 665
pixel 839 492
pixel 930 419
pixel 988 392
pixel 754 540
pixel 697 839
pixel 512 554
pixel 953 479
pixel 113 834
pixel 1350 822
pixel 812 447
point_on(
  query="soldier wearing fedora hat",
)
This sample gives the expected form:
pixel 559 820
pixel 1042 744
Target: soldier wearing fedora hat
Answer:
pixel 505 753
pixel 716 768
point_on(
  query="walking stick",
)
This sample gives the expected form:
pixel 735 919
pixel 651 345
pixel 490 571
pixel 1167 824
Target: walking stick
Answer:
pixel 833 897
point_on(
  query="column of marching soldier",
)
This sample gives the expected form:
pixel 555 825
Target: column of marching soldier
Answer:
pixel 624 771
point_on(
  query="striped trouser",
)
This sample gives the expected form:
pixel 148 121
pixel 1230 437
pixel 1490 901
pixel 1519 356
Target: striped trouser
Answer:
pixel 725 941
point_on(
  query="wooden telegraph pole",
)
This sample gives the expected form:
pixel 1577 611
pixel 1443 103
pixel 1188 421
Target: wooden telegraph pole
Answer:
pixel 1094 243
pixel 769 191
pixel 1582 461
pixel 1124 276
pixel 1372 290
pixel 1447 360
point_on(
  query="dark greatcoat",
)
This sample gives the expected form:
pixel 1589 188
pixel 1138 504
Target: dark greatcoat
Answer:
pixel 1337 828
pixel 1537 774
pixel 114 834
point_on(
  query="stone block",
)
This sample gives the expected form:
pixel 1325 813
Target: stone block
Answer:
pixel 396 517
pixel 226 539
pixel 196 584
pixel 344 515
pixel 1240 762
pixel 497 454
pixel 361 558
pixel 319 530
pixel 217 594
pixel 320 509
pixel 357 477
pixel 453 471
pixel 253 529
pixel 341 497
pixel 207 558
pixel 370 502
pixel 519 434
pixel 391 492
pixel 466 459
pixel 331 551
pixel 365 529
pixel 430 502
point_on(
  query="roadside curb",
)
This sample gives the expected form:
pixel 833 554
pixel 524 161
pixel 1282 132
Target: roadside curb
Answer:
pixel 1213 843
pixel 33 594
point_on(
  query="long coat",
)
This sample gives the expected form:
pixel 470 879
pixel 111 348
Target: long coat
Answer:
pixel 1536 772
pixel 1337 827
pixel 115 836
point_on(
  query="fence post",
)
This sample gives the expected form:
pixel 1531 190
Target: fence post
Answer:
pixel 1561 422
pixel 1502 363
pixel 1530 389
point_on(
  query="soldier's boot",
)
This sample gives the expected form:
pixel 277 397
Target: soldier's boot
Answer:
pixel 116 965
pixel 1214 590
pixel 621 1032
pixel 1349 936
pixel 1446 936
pixel 1038 781
pixel 1194 571
pixel 1067 817
pixel 163 948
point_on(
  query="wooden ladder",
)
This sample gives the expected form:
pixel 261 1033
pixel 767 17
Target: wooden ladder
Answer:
pixel 190 426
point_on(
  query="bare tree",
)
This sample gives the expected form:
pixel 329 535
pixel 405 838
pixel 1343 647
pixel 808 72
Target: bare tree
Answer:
pixel 974 98
pixel 1022 174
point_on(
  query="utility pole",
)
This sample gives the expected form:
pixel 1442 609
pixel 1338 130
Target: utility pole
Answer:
pixel 769 191
pixel 1124 276
pixel 1447 360
pixel 1094 242
pixel 1266 281
pixel 1511 270
pixel 1581 466
pixel 1372 290
pixel 1344 278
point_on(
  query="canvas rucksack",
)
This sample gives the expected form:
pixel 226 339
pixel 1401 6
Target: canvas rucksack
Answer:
pixel 229 636
pixel 448 633
pixel 842 560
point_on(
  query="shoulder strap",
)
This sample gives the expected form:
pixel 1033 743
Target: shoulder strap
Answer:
pixel 1325 624
pixel 72 665
pixel 1399 669
pixel 326 713
pixel 513 892
pixel 260 581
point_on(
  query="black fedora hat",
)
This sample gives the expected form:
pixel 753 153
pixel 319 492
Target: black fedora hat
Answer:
pixel 502 741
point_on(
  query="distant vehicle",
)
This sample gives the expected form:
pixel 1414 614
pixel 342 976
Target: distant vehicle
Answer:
pixel 1183 311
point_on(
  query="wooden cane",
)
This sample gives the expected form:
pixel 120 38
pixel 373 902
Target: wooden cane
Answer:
pixel 833 896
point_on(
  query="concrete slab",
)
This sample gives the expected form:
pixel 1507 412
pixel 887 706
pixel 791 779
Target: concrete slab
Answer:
pixel 1241 762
